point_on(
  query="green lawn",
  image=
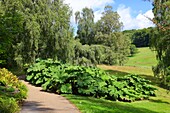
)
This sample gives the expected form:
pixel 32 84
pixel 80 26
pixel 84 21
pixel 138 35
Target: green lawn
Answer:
pixel 128 69
pixel 93 105
pixel 158 104
pixel 140 64
pixel 144 58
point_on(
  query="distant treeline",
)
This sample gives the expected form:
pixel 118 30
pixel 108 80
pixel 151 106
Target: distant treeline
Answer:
pixel 140 37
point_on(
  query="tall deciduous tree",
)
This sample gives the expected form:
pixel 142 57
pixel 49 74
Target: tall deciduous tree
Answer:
pixel 10 26
pixel 85 21
pixel 161 39
pixel 107 44
pixel 109 21
pixel 108 34
pixel 46 31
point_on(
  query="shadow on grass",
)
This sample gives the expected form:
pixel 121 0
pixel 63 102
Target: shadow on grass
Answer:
pixel 116 73
pixel 158 101
pixel 92 105
pixel 153 80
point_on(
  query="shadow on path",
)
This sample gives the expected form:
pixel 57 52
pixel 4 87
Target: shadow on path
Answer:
pixel 34 106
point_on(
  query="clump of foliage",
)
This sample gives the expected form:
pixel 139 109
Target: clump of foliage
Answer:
pixel 12 92
pixel 131 88
pixel 8 105
pixel 140 37
pixel 96 54
pixel 61 78
pixel 133 50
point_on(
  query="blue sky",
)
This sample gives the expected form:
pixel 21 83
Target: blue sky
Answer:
pixel 133 13
pixel 135 5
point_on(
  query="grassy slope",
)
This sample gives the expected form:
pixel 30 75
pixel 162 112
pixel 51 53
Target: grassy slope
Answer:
pixel 128 69
pixel 140 64
pixel 145 58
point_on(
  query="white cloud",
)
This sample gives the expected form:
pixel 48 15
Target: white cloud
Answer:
pixel 130 22
pixel 138 22
pixel 96 5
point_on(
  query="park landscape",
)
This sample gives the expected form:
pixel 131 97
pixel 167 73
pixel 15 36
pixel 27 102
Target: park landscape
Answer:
pixel 97 68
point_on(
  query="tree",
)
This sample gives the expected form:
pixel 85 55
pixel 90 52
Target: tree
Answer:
pixel 10 26
pixel 85 21
pixel 108 34
pixel 102 41
pixel 109 21
pixel 140 37
pixel 46 31
pixel 161 40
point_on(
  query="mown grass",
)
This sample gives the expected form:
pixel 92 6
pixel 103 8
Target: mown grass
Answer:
pixel 128 69
pixel 141 65
pixel 93 105
pixel 144 58
pixel 158 104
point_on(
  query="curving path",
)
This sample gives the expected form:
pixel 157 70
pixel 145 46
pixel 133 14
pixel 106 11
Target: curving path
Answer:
pixel 43 102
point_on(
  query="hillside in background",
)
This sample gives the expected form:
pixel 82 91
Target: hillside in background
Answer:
pixel 144 58
pixel 141 63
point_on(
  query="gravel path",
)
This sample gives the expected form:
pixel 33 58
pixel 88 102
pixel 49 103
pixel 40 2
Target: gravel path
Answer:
pixel 43 102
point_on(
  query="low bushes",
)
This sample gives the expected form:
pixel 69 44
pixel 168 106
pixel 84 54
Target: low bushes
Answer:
pixel 8 105
pixel 60 78
pixel 12 92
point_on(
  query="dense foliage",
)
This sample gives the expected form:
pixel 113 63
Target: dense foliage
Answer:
pixel 35 29
pixel 89 81
pixel 12 91
pixel 140 37
pixel 40 31
pixel 104 34
pixel 10 26
pixel 161 40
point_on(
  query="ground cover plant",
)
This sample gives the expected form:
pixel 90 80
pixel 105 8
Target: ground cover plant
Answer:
pixel 12 92
pixel 61 78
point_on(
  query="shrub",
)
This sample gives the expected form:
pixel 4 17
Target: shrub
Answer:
pixel 133 50
pixel 8 105
pixel 12 91
pixel 130 88
pixel 60 78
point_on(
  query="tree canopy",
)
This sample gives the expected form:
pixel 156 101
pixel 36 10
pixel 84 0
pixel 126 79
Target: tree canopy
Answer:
pixel 85 21
pixel 46 31
pixel 102 41
pixel 161 39
pixel 41 29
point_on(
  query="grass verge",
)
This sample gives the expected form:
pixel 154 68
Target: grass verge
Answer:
pixel 93 105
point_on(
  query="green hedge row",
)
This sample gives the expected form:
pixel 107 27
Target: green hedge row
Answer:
pixel 60 78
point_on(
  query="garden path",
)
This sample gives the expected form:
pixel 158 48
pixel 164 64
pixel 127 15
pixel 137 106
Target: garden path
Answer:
pixel 43 102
